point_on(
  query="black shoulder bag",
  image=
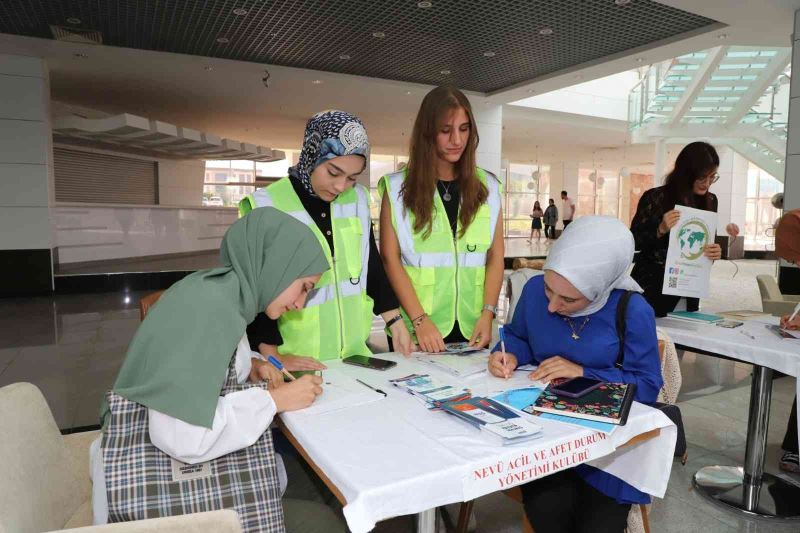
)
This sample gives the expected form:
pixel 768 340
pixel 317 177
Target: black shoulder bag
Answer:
pixel 671 410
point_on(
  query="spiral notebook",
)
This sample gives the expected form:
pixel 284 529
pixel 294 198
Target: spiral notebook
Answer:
pixel 609 403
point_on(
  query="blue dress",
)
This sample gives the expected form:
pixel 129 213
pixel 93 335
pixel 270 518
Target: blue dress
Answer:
pixel 535 334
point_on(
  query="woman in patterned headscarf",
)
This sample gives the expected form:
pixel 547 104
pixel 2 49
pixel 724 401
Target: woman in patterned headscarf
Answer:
pixel 321 191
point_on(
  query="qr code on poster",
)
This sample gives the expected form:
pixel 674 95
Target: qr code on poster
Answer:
pixel 673 282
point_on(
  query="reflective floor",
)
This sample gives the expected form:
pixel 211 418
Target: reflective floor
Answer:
pixel 71 347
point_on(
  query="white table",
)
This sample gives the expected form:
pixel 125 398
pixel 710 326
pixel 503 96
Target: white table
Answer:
pixel 393 457
pixel 751 343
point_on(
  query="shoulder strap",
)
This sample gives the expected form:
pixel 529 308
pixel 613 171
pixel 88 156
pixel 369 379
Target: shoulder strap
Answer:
pixel 622 308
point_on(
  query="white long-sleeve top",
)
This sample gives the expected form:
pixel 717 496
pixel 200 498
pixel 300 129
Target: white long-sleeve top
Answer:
pixel 240 419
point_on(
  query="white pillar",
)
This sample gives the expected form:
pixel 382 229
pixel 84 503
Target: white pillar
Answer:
pixel 489 118
pixel 789 277
pixel 26 159
pixel 661 161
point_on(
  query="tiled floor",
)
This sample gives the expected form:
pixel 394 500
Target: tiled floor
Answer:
pixel 71 347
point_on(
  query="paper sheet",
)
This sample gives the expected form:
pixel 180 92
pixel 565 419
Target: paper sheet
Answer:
pixel 340 391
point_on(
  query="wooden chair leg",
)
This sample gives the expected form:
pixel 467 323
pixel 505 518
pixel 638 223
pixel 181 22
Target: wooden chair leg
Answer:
pixel 463 516
pixel 645 519
pixel 526 524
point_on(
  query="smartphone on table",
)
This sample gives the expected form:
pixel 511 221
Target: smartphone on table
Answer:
pixel 369 362
pixel 575 387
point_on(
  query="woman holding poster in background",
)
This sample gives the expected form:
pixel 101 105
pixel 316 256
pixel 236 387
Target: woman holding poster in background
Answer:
pixel 688 184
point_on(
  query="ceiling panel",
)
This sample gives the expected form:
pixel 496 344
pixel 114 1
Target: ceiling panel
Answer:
pixel 476 45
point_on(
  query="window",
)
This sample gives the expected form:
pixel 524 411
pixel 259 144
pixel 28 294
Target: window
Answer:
pixel 230 181
pixel 760 215
pixel 598 192
pixel 525 184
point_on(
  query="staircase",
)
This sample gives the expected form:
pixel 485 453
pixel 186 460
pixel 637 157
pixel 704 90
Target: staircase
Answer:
pixel 733 95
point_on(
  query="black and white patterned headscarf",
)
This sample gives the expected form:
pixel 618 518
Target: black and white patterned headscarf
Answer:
pixel 328 134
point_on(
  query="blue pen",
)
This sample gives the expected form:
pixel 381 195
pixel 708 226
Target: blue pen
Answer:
pixel 503 346
pixel 277 364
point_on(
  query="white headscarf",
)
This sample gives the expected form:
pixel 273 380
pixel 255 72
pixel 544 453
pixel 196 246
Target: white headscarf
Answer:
pixel 594 254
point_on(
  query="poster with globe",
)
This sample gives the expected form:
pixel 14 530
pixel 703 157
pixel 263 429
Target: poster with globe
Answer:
pixel 687 271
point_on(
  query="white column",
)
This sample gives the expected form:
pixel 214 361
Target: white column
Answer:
pixel 489 118
pixel 661 161
pixel 25 176
pixel 789 277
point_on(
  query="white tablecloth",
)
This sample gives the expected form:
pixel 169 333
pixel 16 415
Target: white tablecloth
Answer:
pixel 393 457
pixel 752 343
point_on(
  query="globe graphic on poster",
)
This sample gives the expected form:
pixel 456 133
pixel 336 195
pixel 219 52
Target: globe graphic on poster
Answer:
pixel 692 238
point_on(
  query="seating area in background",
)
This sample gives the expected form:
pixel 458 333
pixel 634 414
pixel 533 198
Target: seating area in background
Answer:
pixel 772 300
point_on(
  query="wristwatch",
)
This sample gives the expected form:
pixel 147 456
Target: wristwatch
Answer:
pixel 491 308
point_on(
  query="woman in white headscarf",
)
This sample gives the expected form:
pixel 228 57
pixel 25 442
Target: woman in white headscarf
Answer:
pixel 565 322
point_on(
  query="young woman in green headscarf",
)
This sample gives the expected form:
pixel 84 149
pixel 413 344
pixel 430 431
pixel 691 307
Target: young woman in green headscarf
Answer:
pixel 186 355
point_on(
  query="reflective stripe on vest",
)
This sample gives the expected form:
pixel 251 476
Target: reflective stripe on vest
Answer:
pixel 337 308
pixel 446 279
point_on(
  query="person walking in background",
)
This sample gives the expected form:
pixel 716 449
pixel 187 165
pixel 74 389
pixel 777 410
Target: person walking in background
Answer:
pixel 688 184
pixel 550 220
pixel 567 208
pixel 536 223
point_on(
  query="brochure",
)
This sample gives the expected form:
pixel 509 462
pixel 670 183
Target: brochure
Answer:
pixel 687 271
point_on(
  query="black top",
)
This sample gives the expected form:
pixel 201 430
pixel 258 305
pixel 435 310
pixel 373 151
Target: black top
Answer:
pixel 652 206
pixel 451 208
pixel 450 188
pixel 264 329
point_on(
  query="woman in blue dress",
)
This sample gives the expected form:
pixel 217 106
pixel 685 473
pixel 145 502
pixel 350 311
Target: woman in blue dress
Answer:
pixel 565 322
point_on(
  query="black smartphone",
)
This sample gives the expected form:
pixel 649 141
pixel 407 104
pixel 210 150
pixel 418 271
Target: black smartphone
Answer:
pixel 369 362
pixel 576 387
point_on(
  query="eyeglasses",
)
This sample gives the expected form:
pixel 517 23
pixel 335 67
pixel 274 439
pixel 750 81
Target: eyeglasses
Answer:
pixel 713 178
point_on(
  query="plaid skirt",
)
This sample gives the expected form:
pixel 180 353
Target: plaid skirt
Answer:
pixel 144 482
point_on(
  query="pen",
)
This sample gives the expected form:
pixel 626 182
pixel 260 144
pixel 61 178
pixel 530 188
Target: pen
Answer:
pixel 503 346
pixel 371 387
pixel 277 364
pixel 746 334
pixel 794 313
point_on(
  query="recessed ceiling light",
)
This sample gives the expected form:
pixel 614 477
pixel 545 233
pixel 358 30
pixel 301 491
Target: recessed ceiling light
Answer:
pixel 622 2
pixel 445 72
pixel 82 56
pixel 489 54
pixel 240 12
pixel 424 4
pixel 722 36
pixel 74 20
pixel 639 59
pixel 222 40
pixel 316 82
pixel 546 31
pixel 408 92
pixel 531 91
pixel 208 68
pixel 344 56
pixel 378 34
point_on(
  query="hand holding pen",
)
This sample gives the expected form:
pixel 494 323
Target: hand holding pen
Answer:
pixel 502 363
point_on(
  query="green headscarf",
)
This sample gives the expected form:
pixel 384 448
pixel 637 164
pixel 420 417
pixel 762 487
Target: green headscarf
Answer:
pixel 177 360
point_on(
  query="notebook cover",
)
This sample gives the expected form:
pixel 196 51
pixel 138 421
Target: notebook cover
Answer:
pixel 610 403
pixel 695 317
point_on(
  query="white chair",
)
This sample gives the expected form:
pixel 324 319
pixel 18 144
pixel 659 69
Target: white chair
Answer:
pixel 44 476
pixel 772 300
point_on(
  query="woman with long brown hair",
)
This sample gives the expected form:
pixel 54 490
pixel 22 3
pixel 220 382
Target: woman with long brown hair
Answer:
pixel 441 232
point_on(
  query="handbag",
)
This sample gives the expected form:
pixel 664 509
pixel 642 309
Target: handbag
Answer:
pixel 672 411
pixel 144 482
